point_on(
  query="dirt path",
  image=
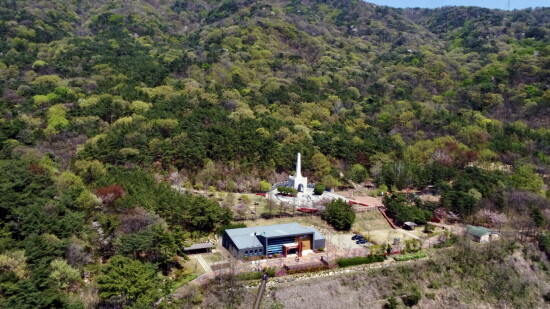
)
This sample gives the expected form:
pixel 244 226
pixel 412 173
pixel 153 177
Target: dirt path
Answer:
pixel 260 295
pixel 455 229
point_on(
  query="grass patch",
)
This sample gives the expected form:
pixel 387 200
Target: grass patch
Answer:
pixel 229 226
pixel 194 266
pixel 360 260
pixel 387 236
pixel 182 281
pixel 432 234
pixel 412 256
pixel 453 240
pixel 213 257
pixel 303 220
pixel 370 220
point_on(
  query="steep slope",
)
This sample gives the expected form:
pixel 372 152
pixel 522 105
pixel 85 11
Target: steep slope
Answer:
pixel 355 61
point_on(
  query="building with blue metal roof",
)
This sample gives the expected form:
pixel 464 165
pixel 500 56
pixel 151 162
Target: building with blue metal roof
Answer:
pixel 283 239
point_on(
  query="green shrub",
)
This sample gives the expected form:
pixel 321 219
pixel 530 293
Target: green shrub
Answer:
pixel 271 271
pixel 412 299
pixel 392 303
pixel 429 228
pixel 264 186
pixel 544 243
pixel 319 189
pixel 412 256
pixel 346 262
pixel 412 245
pixel 256 275
pixel 287 190
pixel 252 275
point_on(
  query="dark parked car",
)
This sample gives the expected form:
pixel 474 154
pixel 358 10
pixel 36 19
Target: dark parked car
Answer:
pixel 355 237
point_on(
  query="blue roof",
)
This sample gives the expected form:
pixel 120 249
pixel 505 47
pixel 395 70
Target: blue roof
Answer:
pixel 245 238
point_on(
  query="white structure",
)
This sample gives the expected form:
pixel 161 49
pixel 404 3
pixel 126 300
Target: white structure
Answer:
pixel 297 181
pixel 305 197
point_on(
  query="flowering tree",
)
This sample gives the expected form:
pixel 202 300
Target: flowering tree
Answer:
pixel 492 218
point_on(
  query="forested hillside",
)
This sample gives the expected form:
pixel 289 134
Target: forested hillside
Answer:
pixel 104 103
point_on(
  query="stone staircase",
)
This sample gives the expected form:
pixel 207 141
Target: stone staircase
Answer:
pixel 203 263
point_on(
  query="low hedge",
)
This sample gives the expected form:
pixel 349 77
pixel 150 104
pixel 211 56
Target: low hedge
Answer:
pixel 256 275
pixel 346 262
pixel 271 271
pixel 181 282
pixel 307 270
pixel 287 190
pixel 413 256
pixel 252 275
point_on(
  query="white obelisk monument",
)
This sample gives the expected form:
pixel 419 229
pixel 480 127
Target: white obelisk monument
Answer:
pixel 298 181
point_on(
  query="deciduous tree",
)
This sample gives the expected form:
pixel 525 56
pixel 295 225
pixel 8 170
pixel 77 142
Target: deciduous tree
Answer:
pixel 339 214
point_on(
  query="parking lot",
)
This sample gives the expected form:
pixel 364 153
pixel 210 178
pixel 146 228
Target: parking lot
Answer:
pixel 343 241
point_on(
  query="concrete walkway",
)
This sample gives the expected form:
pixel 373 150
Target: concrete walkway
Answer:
pixel 203 263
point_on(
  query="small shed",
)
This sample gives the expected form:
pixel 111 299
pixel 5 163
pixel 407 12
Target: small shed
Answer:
pixel 409 225
pixel 369 184
pixel 482 234
pixel 199 248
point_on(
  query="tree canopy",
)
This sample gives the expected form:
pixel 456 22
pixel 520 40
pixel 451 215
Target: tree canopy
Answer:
pixel 339 214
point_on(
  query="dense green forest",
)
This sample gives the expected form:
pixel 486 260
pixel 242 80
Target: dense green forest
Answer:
pixel 105 104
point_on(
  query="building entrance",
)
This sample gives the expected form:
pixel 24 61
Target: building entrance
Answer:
pixel 292 248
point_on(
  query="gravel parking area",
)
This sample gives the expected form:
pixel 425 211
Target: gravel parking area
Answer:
pixel 343 241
